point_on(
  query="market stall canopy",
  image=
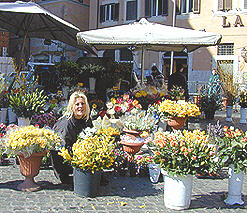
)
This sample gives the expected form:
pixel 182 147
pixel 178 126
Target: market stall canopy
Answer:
pixel 28 19
pixel 151 36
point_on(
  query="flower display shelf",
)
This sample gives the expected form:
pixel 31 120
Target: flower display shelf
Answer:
pixel 176 123
pixel 30 167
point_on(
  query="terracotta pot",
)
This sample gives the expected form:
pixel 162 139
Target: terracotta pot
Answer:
pixel 131 148
pixel 30 168
pixel 177 122
pixel 132 133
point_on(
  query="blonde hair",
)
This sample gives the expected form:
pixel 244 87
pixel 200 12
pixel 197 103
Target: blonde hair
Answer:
pixel 69 111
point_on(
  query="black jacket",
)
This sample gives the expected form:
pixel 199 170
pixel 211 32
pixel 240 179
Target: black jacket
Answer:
pixel 70 129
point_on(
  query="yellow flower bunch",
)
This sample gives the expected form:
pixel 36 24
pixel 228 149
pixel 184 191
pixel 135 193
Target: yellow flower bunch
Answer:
pixel 94 152
pixel 178 109
pixel 29 139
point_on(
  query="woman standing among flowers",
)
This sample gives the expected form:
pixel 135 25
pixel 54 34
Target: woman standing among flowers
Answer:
pixel 70 125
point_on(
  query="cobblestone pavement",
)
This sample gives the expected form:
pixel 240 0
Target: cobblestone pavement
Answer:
pixel 136 194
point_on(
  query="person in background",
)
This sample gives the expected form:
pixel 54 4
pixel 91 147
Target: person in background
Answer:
pixel 179 78
pixel 214 86
pixel 69 126
pixel 158 77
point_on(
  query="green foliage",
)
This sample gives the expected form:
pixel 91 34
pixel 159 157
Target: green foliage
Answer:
pixel 243 99
pixel 92 70
pixel 28 103
pixel 208 104
pixel 139 122
pixel 69 72
pixel 232 149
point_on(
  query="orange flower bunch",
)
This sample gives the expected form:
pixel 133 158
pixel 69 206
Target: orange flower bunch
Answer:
pixel 183 153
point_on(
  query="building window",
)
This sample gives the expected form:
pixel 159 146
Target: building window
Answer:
pixel 156 8
pixel 126 55
pixel 188 6
pixel 109 12
pixel 225 49
pixel 131 10
pixel 109 54
pixel 224 5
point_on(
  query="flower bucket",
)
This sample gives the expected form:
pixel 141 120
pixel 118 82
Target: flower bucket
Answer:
pixel 235 184
pixel 228 114
pixel 176 122
pixel 30 168
pixel 92 83
pixel 154 172
pixel 4 114
pixel 242 115
pixel 11 115
pixel 86 183
pixel 177 191
pixel 23 121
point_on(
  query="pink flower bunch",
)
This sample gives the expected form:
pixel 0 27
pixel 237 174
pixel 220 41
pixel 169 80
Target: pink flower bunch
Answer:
pixel 46 119
pixel 119 106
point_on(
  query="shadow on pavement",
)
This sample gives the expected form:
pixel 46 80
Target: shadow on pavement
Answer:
pixel 213 200
pixel 45 185
pixel 131 187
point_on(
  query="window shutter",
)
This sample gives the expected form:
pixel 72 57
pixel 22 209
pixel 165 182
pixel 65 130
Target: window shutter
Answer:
pixel 178 7
pixel 116 12
pixel 131 11
pixel 165 7
pixel 228 4
pixel 102 13
pixel 147 8
pixel 245 4
pixel 220 5
pixel 196 6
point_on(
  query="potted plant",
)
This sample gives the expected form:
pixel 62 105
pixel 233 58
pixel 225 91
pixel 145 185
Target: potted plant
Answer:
pixel 69 72
pixel 229 88
pixel 30 144
pixel 182 155
pixel 232 153
pixel 243 106
pixel 93 71
pixel 136 129
pixel 177 112
pixel 4 103
pixel 26 104
pixel 209 105
pixel 92 153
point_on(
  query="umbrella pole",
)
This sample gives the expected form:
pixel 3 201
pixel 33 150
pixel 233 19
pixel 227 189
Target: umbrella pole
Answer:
pixel 22 50
pixel 142 67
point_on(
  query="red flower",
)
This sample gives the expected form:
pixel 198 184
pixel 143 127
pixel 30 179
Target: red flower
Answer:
pixel 119 100
pixel 102 113
pixel 117 109
pixel 130 107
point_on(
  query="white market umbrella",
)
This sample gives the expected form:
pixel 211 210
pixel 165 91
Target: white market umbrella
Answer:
pixel 146 35
pixel 28 19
